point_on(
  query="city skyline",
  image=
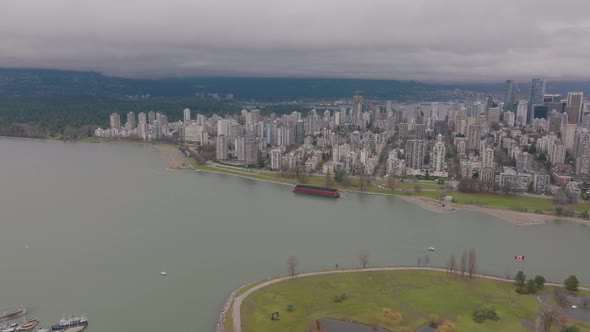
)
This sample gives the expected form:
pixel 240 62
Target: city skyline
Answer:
pixel 406 40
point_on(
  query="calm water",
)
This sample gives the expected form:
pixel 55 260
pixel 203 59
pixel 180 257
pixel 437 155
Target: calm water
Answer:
pixel 102 220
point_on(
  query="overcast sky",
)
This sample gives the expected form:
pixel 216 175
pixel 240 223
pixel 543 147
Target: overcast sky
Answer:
pixel 442 40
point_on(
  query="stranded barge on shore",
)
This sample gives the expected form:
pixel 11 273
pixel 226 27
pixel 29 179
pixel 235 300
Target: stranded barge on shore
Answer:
pixel 318 191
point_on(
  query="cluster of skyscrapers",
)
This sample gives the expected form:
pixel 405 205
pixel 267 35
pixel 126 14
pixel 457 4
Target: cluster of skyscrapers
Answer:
pixel 516 142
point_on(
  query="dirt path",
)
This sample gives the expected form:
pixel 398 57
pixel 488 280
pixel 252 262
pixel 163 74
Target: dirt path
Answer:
pixel 236 310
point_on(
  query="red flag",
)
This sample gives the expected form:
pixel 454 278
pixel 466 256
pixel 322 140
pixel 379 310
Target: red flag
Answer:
pixel 519 258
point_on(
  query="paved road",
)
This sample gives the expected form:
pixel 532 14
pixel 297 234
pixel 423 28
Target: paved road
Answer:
pixel 578 314
pixel 236 310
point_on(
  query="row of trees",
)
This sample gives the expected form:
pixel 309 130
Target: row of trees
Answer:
pixel 466 264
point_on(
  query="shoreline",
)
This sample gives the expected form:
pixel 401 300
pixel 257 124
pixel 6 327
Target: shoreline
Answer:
pixel 172 157
pixel 512 216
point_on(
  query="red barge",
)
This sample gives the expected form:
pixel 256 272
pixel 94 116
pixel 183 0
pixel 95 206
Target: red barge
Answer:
pixel 318 191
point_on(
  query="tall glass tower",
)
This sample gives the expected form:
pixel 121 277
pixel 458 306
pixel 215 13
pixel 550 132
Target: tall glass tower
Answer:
pixel 536 98
pixel 510 96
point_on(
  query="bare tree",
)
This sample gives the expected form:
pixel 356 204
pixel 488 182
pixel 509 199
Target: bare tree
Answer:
pixel 426 260
pixel 417 188
pixel 547 318
pixel 453 266
pixel 391 180
pixel 364 259
pixel 419 261
pixel 292 263
pixel 463 263
pixel 471 263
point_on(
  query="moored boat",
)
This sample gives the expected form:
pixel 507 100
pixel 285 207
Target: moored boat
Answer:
pixel 12 314
pixel 75 328
pixel 27 324
pixel 71 322
pixel 318 191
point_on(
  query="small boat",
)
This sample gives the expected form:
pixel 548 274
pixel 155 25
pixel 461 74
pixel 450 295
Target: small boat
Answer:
pixel 430 248
pixel 40 329
pixel 12 314
pixel 163 273
pixel 27 324
pixel 65 324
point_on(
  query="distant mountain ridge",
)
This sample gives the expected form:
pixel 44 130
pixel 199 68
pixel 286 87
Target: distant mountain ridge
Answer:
pixel 45 82
pixel 48 82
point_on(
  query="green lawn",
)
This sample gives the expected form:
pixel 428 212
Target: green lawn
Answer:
pixel 415 294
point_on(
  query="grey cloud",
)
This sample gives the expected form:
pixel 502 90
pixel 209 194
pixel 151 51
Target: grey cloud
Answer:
pixel 390 39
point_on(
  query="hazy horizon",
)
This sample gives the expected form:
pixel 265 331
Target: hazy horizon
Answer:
pixel 454 41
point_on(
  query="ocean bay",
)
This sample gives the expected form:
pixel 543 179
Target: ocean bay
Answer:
pixel 102 220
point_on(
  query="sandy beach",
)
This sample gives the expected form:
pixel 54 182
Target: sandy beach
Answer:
pixel 173 157
pixel 512 216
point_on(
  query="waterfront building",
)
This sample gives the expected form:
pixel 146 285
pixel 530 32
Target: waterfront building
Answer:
pixel 541 183
pixel 438 156
pixel 186 115
pixel 115 121
pixel 131 122
pixel 221 148
pixel 415 152
pixel 275 159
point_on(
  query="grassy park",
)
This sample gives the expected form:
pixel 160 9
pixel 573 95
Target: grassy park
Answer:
pixel 413 294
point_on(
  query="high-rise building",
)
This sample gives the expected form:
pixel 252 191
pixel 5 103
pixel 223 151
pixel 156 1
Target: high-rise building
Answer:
pixel 575 100
pixel 510 96
pixel 115 121
pixel 487 158
pixel 221 152
pixel 141 118
pixel 251 151
pixel 389 109
pixel 438 155
pixel 536 97
pixel 151 117
pixel 473 136
pixel 415 152
pixel 521 112
pixel 299 132
pixel 131 122
pixel 186 115
pixel 568 133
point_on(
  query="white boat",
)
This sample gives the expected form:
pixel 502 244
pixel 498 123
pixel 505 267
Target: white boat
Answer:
pixel 163 273
pixel 430 248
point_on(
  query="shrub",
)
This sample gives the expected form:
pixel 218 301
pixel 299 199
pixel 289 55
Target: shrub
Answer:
pixel 571 328
pixel 520 279
pixel 521 290
pixel 392 315
pixel 290 307
pixel 433 320
pixel 481 314
pixel 340 297
pixel 446 326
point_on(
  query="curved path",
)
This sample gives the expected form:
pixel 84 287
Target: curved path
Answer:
pixel 237 304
